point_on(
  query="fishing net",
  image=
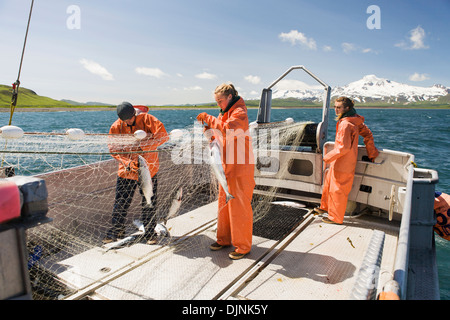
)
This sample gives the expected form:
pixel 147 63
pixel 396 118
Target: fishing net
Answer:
pixel 80 176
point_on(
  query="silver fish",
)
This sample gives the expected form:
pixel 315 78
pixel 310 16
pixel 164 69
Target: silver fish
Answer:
pixel 291 204
pixel 139 225
pixel 122 242
pixel 145 181
pixel 141 230
pixel 161 230
pixel 175 206
pixel 216 164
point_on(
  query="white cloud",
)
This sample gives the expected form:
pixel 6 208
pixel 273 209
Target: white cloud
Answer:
pixel 253 79
pixel 295 37
pixel 95 68
pixel 417 37
pixel 194 88
pixel 348 47
pixel 419 77
pixel 206 75
pixel 327 48
pixel 152 72
pixel 416 40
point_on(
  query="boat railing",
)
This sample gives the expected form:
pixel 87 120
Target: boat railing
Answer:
pixel 418 207
pixel 401 259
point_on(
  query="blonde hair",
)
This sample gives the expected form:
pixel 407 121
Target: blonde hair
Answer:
pixel 226 89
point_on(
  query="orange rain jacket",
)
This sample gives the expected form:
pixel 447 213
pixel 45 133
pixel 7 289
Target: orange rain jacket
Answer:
pixel 128 162
pixel 442 211
pixel 342 159
pixel 235 218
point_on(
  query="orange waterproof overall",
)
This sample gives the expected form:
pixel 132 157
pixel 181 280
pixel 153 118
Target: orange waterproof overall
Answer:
pixel 156 136
pixel 235 218
pixel 442 211
pixel 342 159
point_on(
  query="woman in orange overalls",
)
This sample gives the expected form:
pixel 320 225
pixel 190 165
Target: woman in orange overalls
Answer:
pixel 342 159
pixel 235 217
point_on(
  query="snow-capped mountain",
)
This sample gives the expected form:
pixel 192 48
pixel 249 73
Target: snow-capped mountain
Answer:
pixel 370 88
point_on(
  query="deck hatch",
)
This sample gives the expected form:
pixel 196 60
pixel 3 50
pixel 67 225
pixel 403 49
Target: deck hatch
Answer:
pixel 278 221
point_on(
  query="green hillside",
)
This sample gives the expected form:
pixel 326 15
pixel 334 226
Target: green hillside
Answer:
pixel 444 99
pixel 28 98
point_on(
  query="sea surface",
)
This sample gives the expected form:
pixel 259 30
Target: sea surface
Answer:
pixel 422 132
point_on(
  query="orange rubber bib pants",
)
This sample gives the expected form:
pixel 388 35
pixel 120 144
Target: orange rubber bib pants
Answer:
pixel 235 218
pixel 342 159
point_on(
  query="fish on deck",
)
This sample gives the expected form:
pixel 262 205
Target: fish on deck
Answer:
pixel 130 239
pixel 290 204
pixel 175 205
pixel 161 228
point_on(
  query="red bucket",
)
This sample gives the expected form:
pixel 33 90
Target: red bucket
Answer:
pixel 9 201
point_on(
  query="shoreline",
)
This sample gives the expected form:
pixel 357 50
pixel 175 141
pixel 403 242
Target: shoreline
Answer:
pixel 74 109
pixel 56 109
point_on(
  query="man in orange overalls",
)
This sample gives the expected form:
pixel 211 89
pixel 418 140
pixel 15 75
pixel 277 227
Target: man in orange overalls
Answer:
pixel 342 159
pixel 235 217
pixel 130 120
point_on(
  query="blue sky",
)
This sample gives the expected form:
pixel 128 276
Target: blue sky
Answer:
pixel 176 52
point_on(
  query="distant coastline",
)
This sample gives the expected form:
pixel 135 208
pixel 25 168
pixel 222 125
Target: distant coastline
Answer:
pixel 112 108
pixel 56 109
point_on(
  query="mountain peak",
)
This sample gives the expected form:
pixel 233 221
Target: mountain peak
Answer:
pixel 371 77
pixel 373 80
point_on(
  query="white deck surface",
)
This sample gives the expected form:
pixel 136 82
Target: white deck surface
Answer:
pixel 320 263
pixel 317 263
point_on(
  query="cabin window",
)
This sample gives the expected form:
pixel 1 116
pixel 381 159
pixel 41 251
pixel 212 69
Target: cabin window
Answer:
pixel 301 167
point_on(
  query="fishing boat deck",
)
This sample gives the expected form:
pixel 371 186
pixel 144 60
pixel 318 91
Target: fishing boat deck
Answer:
pixel 294 255
pixel 314 260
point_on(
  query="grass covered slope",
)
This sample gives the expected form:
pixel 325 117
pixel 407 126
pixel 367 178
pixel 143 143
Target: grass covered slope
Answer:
pixel 28 98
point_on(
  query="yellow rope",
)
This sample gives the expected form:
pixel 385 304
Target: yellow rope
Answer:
pixel 13 108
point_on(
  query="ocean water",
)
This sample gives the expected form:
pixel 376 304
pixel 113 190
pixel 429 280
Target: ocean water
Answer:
pixel 424 133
